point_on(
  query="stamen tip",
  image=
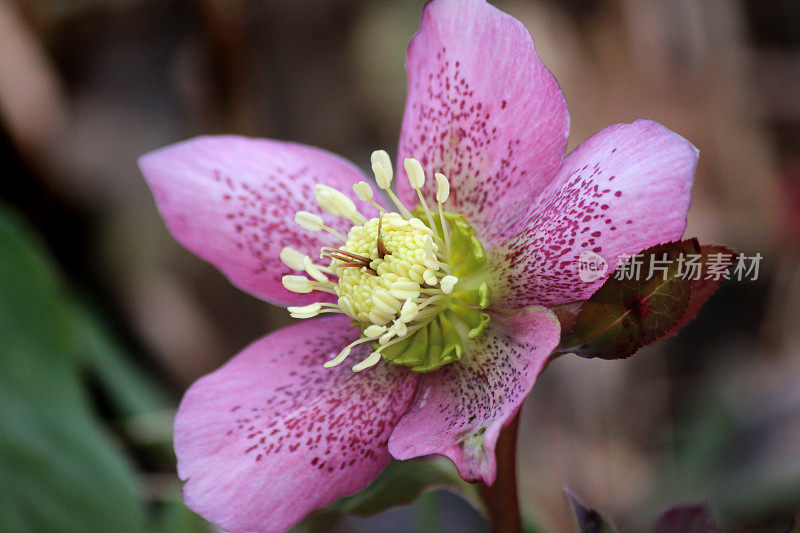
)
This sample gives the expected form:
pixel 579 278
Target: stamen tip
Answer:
pixel 448 283
pixel 363 191
pixel 416 175
pixel 299 284
pixel 382 167
pixel 370 361
pixel 308 221
pixel 341 356
pixel 443 191
pixel 292 258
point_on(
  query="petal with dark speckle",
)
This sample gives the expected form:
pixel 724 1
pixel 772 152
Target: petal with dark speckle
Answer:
pixel 273 435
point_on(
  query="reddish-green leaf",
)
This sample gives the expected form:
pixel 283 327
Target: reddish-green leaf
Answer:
pixel 634 309
pixel 702 288
pixel 626 314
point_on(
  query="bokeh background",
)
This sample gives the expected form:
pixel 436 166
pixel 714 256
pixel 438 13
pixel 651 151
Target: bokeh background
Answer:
pixel 105 320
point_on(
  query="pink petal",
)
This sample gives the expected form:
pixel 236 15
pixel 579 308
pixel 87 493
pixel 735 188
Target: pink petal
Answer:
pixel 624 189
pixel 273 435
pixel 483 110
pixel 460 409
pixel 232 200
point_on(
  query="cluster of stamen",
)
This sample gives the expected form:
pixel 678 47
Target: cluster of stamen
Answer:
pixel 393 272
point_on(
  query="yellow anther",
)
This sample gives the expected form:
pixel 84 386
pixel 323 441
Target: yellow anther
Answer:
pixel 392 277
pixel 430 249
pixel 363 191
pixel 442 194
pixel 382 167
pixel 346 306
pixel 385 302
pixel 299 284
pixel 429 276
pixel 338 359
pixel 292 258
pixel 337 204
pixel 386 337
pixel 447 283
pixel 400 328
pixel 378 318
pixel 372 360
pixel 305 311
pixel 416 272
pixel 308 221
pixel 313 270
pixel 420 225
pixel 443 190
pixel 404 289
pixel 416 175
pixel 374 331
pixel 409 311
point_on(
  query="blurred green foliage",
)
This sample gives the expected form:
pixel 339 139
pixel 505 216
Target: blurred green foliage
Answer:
pixel 402 482
pixel 61 467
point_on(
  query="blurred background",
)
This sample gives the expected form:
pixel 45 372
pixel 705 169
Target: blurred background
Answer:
pixel 105 320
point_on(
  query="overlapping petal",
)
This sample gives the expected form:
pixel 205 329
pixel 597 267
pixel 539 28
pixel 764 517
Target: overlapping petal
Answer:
pixel 483 110
pixel 460 409
pixel 626 188
pixel 231 200
pixel 273 435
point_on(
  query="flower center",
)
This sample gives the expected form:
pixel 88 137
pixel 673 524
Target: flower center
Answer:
pixel 383 264
pixel 411 280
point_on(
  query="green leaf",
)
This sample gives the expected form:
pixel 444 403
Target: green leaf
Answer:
pixel 685 519
pixel 402 482
pixel 175 516
pixel 131 391
pixel 588 520
pixel 626 314
pixel 35 324
pixel 60 470
pixel 146 412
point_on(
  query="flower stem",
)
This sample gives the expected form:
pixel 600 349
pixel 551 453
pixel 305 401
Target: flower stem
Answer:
pixel 501 498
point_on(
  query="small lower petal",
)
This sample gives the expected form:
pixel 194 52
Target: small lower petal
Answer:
pixel 460 409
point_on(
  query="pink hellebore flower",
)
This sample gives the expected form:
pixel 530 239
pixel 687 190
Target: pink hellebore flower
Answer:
pixel 442 309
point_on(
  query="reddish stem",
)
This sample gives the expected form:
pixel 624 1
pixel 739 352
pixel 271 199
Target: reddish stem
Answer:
pixel 501 498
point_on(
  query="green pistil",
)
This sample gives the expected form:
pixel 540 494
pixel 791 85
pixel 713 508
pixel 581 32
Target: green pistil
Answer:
pixel 441 340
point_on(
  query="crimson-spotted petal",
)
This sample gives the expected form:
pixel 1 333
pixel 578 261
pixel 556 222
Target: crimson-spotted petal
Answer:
pixel 273 435
pixel 483 110
pixel 626 188
pixel 232 201
pixel 460 409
